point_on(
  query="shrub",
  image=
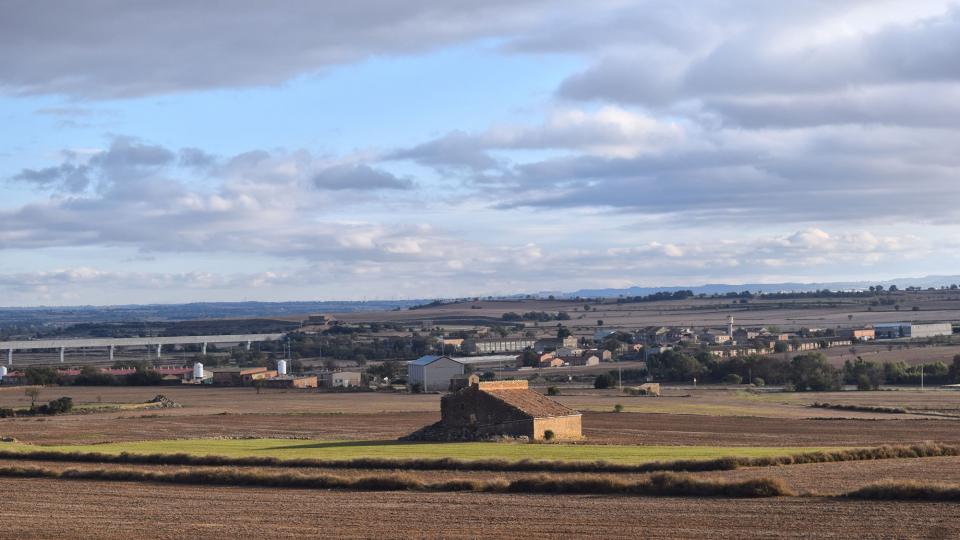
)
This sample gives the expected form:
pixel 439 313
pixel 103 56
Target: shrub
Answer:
pixel 602 381
pixel 144 377
pixel 549 435
pixel 553 391
pixel 732 378
pixel 757 381
pixel 618 408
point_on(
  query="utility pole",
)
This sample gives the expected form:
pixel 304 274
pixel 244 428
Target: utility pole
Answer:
pixel 620 374
pixel 921 377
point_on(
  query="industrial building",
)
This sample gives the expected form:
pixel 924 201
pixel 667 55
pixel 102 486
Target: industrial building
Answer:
pixel 237 376
pixel 911 330
pixel 508 408
pixel 290 381
pixel 497 345
pixel 433 373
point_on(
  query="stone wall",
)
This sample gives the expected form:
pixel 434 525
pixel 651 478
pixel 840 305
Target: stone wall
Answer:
pixel 563 427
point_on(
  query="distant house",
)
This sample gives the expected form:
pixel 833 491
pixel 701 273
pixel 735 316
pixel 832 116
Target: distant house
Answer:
pixel 602 334
pixel 715 338
pixel 507 408
pixel 857 334
pixel 603 354
pixel 433 373
pixel 569 351
pixel 552 344
pixel 583 360
pixel 550 361
pixel 345 379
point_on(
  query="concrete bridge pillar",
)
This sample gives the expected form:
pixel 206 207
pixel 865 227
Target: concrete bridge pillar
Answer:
pixel 159 348
pixel 10 357
pixel 111 353
pixel 249 343
pixel 203 348
pixel 62 349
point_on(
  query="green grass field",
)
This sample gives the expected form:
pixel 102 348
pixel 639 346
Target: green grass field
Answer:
pixel 283 448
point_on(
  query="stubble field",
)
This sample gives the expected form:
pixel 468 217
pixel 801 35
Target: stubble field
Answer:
pixel 688 423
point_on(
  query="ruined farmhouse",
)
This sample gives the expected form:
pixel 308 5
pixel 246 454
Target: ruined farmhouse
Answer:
pixel 483 410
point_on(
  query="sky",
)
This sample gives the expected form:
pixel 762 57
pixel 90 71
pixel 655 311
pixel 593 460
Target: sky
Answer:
pixel 182 151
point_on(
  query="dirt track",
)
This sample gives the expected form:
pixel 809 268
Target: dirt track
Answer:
pixel 81 509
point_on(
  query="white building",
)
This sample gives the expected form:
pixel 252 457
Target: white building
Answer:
pixel 345 379
pixel 433 373
pixel 911 330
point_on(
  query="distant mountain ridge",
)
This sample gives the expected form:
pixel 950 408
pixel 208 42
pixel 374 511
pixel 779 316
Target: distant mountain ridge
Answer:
pixel 723 288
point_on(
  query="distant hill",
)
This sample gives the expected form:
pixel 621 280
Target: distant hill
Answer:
pixel 722 288
pixel 188 312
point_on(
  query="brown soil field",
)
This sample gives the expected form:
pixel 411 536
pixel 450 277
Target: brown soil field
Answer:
pixel 788 314
pixel 814 478
pixel 706 417
pixel 841 477
pixel 41 508
pixel 674 429
pixel 599 428
pixel 95 428
pixel 883 353
pixel 210 399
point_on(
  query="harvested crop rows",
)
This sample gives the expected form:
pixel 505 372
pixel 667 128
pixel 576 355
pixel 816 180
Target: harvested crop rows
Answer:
pixel 123 509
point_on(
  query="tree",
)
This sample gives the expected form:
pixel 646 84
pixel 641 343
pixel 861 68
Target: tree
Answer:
pixel 91 376
pixel 33 394
pixel 954 373
pixel 812 372
pixel 562 331
pixel 599 322
pixel 673 366
pixel 529 358
pixel 602 381
pixel 866 375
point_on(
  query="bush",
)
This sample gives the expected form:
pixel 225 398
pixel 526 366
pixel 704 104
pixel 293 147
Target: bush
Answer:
pixel 602 381
pixel 57 406
pixel 144 377
pixel 732 378
pixel 549 435
pixel 618 408
pixel 553 391
pixel 757 381
pixel 416 388
pixel 91 376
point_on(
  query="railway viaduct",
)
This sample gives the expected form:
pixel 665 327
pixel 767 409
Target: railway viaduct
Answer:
pixel 112 343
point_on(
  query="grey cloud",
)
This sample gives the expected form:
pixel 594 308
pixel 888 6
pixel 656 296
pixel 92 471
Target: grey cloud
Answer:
pixel 360 177
pixel 115 48
pixel 196 158
pixel 929 105
pixel 845 181
pixel 457 149
pixel 66 177
pixel 752 61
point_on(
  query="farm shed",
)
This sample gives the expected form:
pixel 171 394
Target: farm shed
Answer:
pixel 507 408
pixel 291 381
pixel 433 373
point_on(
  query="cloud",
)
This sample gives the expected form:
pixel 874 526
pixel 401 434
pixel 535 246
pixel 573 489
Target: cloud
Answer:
pixel 66 177
pixel 478 268
pixel 358 176
pixel 607 131
pixel 116 49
